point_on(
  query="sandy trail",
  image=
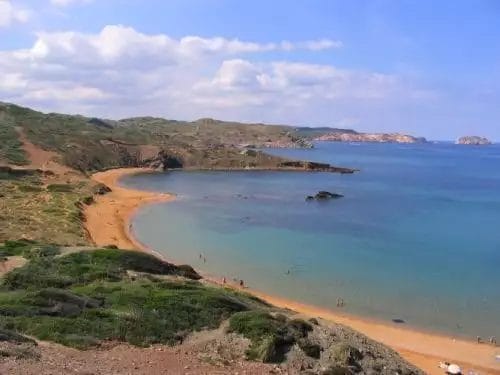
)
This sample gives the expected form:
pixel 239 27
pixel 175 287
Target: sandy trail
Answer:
pixel 9 263
pixel 42 159
pixel 108 222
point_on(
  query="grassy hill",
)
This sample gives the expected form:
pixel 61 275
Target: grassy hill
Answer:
pixel 90 144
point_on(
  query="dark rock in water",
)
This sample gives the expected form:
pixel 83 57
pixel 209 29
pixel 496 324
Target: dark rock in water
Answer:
pixel 327 195
pixel 324 195
pixel 399 321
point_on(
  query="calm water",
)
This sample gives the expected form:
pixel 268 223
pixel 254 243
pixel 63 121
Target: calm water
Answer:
pixel 416 237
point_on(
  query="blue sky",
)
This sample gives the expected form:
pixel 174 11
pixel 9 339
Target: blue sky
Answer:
pixel 429 68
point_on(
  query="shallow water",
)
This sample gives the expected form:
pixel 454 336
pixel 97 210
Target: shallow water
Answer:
pixel 416 237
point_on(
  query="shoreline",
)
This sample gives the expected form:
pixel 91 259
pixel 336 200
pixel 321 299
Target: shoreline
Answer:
pixel 108 223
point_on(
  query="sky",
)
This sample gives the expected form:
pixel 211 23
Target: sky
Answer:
pixel 428 68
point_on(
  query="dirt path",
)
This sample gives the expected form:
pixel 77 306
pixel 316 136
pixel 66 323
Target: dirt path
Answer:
pixel 11 263
pixel 126 359
pixel 40 158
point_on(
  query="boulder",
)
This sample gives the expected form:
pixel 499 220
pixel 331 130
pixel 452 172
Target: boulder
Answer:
pixel 323 195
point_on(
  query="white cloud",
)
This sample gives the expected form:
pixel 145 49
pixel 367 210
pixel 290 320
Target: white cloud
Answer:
pixel 10 14
pixel 64 3
pixel 121 72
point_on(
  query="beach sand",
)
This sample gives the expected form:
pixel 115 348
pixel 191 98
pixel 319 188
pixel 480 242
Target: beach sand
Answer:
pixel 107 220
pixel 108 223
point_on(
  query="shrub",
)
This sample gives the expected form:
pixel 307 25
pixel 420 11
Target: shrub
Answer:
pixel 60 188
pixel 11 248
pixel 310 349
pixel 270 337
pixel 346 355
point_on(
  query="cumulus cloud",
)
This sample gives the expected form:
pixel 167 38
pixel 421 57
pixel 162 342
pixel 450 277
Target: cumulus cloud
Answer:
pixel 121 72
pixel 10 14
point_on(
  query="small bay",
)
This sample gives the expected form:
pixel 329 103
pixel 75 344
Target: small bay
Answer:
pixel 416 236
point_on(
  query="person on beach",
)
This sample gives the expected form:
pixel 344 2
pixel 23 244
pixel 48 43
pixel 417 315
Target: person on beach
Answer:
pixel 242 284
pixel 479 339
pixel 223 280
pixel 493 340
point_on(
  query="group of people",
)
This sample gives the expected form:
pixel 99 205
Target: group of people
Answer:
pixel 492 340
pixel 240 282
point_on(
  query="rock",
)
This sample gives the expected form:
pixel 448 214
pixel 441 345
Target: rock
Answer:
pixel 314 321
pixel 346 355
pixel 327 195
pixel 101 189
pixel 310 349
pixel 324 195
pixel 473 140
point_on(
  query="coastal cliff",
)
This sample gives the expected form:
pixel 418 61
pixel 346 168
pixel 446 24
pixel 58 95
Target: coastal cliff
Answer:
pixel 369 137
pixel 473 140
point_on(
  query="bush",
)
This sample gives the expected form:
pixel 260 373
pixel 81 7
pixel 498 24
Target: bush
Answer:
pixel 88 266
pixel 60 188
pixel 140 313
pixel 41 251
pixel 270 337
pixel 11 248
pixel 346 355
pixel 310 349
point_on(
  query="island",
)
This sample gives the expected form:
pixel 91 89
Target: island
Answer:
pixel 352 136
pixel 473 140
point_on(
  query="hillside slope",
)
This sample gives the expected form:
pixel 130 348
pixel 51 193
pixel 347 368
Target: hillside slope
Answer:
pixel 91 144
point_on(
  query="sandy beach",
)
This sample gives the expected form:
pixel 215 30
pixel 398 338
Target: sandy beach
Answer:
pixel 107 220
pixel 108 223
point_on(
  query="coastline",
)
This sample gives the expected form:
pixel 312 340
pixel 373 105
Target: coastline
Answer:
pixel 108 223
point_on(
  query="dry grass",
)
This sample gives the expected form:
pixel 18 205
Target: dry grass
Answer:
pixel 28 209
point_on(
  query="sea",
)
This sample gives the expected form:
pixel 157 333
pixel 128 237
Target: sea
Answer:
pixel 415 240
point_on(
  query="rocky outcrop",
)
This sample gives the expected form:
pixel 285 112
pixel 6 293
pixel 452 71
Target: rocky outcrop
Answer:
pixel 473 140
pixel 370 137
pixel 323 195
pixel 296 143
pixel 313 166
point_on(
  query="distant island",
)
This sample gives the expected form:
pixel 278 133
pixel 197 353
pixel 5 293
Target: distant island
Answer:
pixel 352 136
pixel 473 140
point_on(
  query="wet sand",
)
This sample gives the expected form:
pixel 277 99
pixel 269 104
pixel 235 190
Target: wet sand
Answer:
pixel 108 222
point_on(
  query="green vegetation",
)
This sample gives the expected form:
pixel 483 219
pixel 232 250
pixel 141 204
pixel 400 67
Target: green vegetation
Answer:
pixel 83 298
pixel 11 150
pixel 272 336
pixel 90 144
pixel 11 248
pixel 86 267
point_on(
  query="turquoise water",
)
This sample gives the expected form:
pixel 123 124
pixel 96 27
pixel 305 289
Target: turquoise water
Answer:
pixel 416 237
